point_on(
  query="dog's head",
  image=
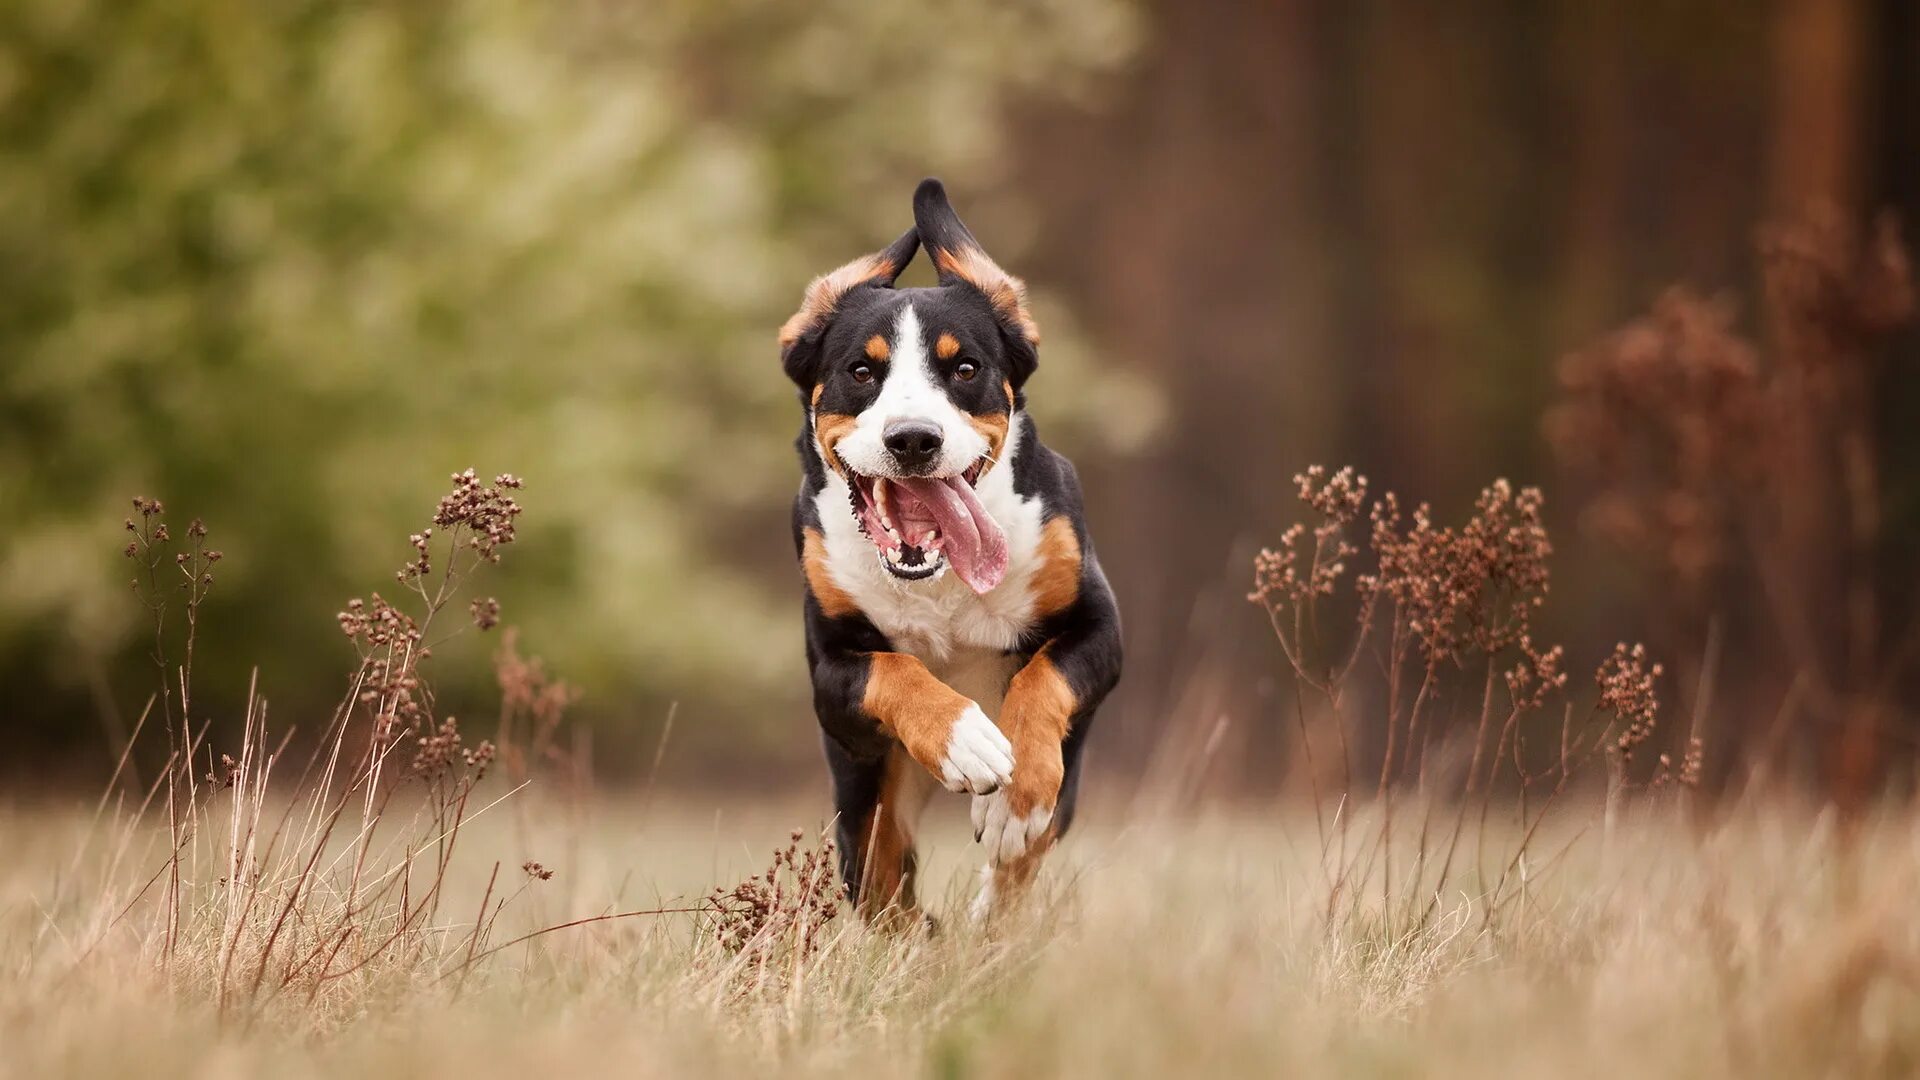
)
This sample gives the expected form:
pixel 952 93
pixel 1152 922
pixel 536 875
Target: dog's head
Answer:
pixel 911 392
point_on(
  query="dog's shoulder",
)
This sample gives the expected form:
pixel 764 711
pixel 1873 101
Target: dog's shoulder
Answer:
pixel 1070 580
pixel 1045 475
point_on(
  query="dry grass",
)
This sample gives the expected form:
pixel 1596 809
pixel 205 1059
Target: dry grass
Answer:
pixel 392 898
pixel 1769 946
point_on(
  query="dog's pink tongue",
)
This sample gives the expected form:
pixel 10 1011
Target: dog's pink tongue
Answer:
pixel 972 539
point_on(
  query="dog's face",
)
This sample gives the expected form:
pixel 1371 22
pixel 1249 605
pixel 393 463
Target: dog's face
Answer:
pixel 911 392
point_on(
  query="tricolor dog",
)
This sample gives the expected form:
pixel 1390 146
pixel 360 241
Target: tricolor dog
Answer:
pixel 959 630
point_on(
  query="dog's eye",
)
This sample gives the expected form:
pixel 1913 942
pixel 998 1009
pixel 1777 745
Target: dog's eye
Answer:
pixel 965 370
pixel 862 373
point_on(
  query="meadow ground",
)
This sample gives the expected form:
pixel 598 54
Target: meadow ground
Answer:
pixel 1773 944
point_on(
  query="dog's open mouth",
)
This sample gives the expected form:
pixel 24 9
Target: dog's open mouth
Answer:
pixel 922 524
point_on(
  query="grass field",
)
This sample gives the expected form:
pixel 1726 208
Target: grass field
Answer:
pixel 1158 944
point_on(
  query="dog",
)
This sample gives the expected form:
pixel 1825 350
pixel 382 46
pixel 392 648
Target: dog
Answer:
pixel 959 630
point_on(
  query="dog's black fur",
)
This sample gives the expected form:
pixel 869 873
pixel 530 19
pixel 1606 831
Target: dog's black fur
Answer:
pixel 825 347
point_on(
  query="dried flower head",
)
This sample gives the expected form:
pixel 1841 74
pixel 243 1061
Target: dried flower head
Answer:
pixel 1470 589
pixel 480 757
pixel 421 564
pixel 1626 684
pixel 227 775
pixel 377 623
pixel 1280 577
pixel 485 612
pixel 437 749
pixel 780 914
pixel 1691 763
pixel 486 512
pixel 1536 676
pixel 1276 578
pixel 1338 499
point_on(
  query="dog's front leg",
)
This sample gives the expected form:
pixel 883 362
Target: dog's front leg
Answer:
pixel 887 719
pixel 942 729
pixel 1059 687
pixel 1036 716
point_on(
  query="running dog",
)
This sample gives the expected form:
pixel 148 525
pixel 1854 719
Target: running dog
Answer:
pixel 959 630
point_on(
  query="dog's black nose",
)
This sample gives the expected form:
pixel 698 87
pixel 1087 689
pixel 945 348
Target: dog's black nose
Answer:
pixel 913 443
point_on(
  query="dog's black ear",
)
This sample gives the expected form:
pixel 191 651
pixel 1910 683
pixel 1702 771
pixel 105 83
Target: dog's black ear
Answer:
pixel 800 335
pixel 958 257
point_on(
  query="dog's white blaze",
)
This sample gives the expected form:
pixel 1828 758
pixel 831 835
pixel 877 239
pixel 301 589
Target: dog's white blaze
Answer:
pixel 941 620
pixel 910 391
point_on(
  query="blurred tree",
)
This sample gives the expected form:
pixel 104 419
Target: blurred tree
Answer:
pixel 1354 231
pixel 287 265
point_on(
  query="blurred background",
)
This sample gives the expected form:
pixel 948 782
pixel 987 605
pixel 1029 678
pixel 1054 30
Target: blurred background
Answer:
pixel 286 266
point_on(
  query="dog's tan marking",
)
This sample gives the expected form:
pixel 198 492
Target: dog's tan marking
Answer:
pixel 1035 718
pixel 1007 293
pixel 833 600
pixel 824 292
pixel 1038 710
pixel 877 348
pixel 913 706
pixel 818 389
pixel 1056 584
pixel 828 430
pixel 1012 879
pixel 946 346
pixel 887 863
pixel 993 428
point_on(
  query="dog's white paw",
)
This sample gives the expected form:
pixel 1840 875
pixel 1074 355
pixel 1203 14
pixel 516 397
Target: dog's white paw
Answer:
pixel 1007 835
pixel 978 759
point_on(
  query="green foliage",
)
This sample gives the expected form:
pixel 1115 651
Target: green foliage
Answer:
pixel 287 265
